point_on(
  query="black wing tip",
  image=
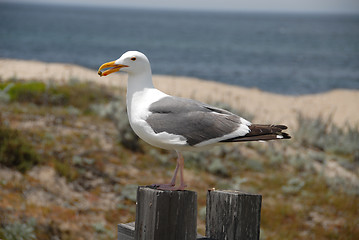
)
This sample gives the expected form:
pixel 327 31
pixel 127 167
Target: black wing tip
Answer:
pixel 261 132
pixel 285 135
pixel 282 127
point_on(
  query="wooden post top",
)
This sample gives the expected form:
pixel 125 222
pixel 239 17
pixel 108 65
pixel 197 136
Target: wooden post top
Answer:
pixel 159 191
pixel 236 192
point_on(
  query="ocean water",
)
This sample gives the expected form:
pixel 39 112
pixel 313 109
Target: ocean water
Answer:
pixel 282 53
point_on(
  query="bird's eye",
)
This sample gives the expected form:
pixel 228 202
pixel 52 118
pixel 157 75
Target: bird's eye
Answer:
pixel 133 59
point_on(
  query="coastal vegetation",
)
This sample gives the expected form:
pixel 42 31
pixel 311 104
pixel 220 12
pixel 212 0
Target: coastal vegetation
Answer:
pixel 70 166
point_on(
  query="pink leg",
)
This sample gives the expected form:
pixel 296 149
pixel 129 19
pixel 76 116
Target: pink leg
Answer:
pixel 180 161
pixel 171 186
pixel 173 181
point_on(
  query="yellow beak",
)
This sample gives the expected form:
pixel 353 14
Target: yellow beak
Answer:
pixel 113 68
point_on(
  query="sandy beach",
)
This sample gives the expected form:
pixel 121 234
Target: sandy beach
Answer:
pixel 341 105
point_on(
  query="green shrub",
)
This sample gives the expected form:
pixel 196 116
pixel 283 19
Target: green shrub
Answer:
pixel 79 95
pixel 324 135
pixel 218 168
pixel 116 111
pixel 66 170
pixel 294 186
pixel 27 92
pixel 15 151
pixel 19 231
pixel 254 165
pixel 129 192
pixel 4 89
pixel 101 232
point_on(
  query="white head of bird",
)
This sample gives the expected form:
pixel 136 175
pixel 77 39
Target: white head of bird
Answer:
pixel 132 62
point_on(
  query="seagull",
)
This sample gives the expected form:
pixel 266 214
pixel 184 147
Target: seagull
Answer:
pixel 179 124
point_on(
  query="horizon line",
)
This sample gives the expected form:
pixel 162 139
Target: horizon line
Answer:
pixel 176 9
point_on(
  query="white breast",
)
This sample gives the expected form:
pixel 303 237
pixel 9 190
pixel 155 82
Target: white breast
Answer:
pixel 138 104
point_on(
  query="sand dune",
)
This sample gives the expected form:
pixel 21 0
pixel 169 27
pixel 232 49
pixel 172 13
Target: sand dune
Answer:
pixel 341 105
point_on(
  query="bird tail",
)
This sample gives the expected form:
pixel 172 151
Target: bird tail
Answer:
pixel 260 132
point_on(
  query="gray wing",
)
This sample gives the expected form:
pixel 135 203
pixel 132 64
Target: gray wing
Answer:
pixel 195 121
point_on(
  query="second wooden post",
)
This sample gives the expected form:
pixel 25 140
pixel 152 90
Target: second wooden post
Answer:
pixel 233 215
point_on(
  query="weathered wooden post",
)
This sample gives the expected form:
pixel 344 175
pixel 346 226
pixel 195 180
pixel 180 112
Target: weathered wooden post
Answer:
pixel 163 215
pixel 233 215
